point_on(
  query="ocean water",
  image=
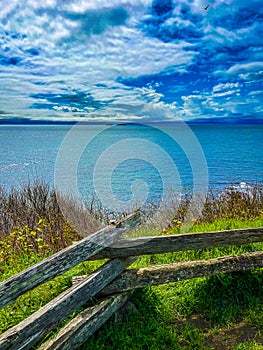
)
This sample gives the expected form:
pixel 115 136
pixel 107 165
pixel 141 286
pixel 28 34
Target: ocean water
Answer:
pixel 131 163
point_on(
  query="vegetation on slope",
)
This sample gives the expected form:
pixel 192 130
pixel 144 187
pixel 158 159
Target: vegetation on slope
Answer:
pixel 220 312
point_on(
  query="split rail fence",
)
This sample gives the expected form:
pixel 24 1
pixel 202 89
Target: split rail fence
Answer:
pixel 112 283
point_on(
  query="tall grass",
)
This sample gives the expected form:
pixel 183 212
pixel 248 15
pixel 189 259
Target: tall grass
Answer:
pixel 194 314
pixel 231 203
pixel 31 220
pixel 31 217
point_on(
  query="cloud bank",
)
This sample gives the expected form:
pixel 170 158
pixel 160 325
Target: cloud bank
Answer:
pixel 159 60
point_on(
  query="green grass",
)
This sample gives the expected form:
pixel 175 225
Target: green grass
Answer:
pixel 227 224
pixel 31 301
pixel 184 315
pixel 202 313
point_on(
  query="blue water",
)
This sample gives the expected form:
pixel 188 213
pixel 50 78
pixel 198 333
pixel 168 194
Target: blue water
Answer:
pixel 132 155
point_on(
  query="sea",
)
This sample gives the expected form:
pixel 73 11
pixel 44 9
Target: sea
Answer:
pixel 129 164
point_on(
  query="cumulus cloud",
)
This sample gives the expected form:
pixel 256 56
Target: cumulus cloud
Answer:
pixel 152 60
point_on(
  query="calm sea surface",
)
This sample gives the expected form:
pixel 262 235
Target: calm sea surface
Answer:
pixel 117 160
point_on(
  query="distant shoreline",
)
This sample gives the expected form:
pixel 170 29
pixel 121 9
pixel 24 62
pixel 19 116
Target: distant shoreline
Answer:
pixel 214 122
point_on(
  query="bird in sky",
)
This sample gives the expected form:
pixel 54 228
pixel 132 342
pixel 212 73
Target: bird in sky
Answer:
pixel 206 8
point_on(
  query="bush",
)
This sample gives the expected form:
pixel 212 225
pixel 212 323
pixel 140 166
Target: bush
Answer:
pixel 31 220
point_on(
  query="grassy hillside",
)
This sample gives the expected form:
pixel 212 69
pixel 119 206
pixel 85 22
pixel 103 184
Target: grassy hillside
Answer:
pixel 221 312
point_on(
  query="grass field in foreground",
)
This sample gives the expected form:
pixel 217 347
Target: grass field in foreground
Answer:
pixel 221 312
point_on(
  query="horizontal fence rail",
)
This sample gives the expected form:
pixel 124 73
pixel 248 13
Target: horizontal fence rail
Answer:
pixel 180 242
pixel 151 276
pixel 112 281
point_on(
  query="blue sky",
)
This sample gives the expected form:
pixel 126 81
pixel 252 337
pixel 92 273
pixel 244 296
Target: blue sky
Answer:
pixel 131 60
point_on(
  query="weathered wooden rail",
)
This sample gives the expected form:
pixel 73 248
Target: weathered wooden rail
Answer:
pixel 111 281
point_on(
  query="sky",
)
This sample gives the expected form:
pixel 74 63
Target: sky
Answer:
pixel 131 60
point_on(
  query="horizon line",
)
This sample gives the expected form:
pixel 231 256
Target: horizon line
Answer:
pixel 212 121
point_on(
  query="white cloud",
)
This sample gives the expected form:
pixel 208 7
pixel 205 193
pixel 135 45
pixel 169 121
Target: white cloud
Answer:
pixel 225 86
pixel 225 93
pixel 70 60
pixel 254 93
pixel 245 68
pixel 67 109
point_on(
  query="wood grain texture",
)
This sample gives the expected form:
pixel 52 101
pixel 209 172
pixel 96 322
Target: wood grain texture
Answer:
pixel 64 260
pixel 32 329
pixel 174 243
pixel 77 331
pixel 156 275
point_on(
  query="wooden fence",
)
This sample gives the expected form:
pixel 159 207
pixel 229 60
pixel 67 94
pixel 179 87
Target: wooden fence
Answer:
pixel 112 282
